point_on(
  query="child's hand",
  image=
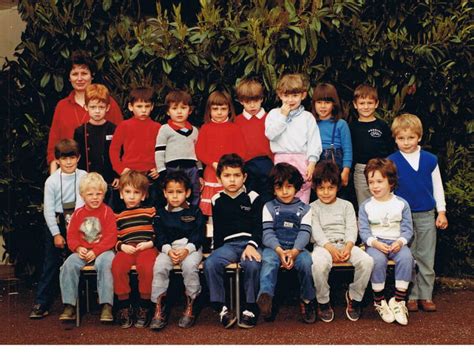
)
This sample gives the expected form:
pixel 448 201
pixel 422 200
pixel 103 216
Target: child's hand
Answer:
pixel 201 183
pixel 441 220
pixel 345 253
pixel 182 254
pixel 251 253
pixel 214 165
pixel 144 246
pixel 128 249
pixel 153 173
pixel 291 256
pixel 396 246
pixel 309 171
pixel 90 256
pixel 382 247
pixel 345 176
pixel 81 251
pixel 283 257
pixel 115 183
pixel 59 241
pixel 285 109
pixel 174 256
pixel 336 256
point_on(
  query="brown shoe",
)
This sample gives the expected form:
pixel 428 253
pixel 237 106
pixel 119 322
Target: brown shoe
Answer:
pixel 427 305
pixel 188 317
pixel 412 305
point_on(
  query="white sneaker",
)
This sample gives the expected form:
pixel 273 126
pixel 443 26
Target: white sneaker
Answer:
pixel 399 310
pixel 385 312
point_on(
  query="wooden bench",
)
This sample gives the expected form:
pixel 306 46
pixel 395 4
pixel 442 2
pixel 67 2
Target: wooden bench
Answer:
pixel 232 269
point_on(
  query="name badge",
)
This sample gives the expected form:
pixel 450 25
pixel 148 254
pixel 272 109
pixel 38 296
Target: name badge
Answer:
pixel 108 137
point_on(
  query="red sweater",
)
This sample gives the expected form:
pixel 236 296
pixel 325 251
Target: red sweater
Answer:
pixel 215 140
pixel 253 130
pixel 108 238
pixel 69 115
pixel 138 139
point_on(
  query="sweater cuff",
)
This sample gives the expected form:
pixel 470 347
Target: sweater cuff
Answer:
pixel 166 248
pixel 55 230
pixel 191 247
pixel 370 240
pixel 403 240
pixel 253 244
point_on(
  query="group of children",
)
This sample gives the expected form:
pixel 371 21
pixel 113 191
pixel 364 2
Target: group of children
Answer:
pixel 259 171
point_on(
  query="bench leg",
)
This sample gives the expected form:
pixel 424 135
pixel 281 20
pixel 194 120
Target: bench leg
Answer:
pixel 87 296
pixel 237 293
pixel 78 305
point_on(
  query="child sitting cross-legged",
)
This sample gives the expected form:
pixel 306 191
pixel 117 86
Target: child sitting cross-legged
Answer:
pixel 91 236
pixel 385 226
pixel 286 232
pixel 334 235
pixel 180 233
pixel 134 247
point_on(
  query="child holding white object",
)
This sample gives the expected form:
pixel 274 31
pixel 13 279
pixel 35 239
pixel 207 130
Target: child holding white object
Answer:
pixel 293 132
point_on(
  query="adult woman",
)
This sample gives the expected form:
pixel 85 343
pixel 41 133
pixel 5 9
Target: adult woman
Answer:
pixel 70 113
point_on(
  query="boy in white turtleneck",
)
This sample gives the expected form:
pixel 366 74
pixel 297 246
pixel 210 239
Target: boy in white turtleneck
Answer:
pixel 421 186
pixel 61 197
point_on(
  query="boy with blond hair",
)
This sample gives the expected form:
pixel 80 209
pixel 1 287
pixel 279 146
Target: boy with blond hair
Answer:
pixel 371 137
pixel 174 149
pixel 61 197
pixel 293 132
pixel 259 159
pixel 421 185
pixel 92 234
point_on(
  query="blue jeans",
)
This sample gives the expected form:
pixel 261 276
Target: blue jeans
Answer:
pixel 53 258
pixel 214 270
pixel 269 273
pixel 71 271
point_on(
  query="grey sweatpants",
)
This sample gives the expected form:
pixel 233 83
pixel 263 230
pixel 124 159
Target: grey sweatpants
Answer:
pixel 322 264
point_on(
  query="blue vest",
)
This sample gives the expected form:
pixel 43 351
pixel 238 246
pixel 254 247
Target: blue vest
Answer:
pixel 416 187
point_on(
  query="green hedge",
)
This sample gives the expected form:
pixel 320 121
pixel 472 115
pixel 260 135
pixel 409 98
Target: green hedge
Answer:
pixel 418 54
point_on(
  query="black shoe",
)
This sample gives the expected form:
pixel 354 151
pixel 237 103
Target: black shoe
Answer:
pixel 38 311
pixel 247 319
pixel 325 312
pixel 227 317
pixel 308 311
pixel 264 303
pixel 353 308
pixel 142 317
pixel 125 317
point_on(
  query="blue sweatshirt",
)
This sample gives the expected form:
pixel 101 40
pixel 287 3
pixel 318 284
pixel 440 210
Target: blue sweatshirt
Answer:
pixel 342 138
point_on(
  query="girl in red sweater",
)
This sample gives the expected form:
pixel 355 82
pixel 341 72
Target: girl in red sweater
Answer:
pixel 218 136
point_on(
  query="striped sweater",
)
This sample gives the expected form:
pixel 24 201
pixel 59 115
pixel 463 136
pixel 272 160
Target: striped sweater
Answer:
pixel 135 225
